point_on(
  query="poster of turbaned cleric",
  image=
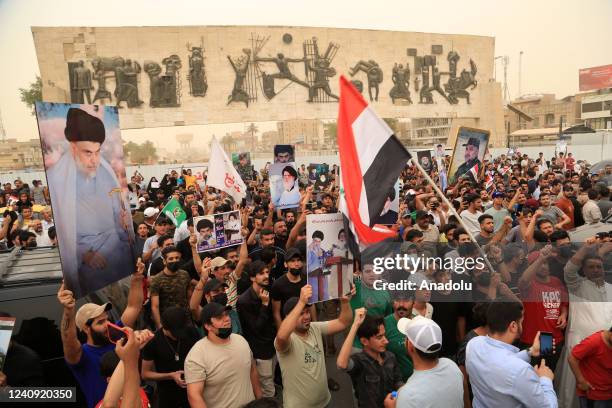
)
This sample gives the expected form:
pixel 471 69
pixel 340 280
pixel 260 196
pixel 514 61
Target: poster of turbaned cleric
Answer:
pixel 242 164
pixel 83 158
pixel 424 157
pixel 329 263
pixel 468 154
pixel 284 185
pixel 218 230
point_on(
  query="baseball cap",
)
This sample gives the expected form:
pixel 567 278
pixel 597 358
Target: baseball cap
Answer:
pixel 150 212
pixel 90 311
pixel 211 310
pixel 406 214
pixel 218 262
pixel 290 304
pixel 142 199
pixel 424 333
pixel 213 284
pixel 293 252
pixel 498 194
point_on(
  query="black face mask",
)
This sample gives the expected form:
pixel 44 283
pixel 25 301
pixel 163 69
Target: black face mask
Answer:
pixel 31 245
pixel 224 332
pixel 295 271
pixel 173 266
pixel 221 299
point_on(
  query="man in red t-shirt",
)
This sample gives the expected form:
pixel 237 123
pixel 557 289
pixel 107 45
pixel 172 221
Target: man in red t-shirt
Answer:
pixel 566 205
pixel 591 362
pixel 570 162
pixel 545 301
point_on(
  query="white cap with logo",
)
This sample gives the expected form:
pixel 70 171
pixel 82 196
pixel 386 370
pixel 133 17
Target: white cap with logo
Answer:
pixel 424 333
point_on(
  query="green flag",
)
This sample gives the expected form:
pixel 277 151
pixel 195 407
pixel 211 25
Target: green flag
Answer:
pixel 174 212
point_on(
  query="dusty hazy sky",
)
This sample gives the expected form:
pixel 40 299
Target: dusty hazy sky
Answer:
pixel 557 37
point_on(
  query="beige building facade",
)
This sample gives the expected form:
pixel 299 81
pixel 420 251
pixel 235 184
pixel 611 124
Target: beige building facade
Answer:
pixel 264 73
pixel 16 155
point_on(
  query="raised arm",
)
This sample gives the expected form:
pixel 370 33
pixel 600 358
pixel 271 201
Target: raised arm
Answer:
pixel 70 342
pixel 269 223
pixel 529 274
pixel 135 296
pixel 281 342
pixel 243 260
pixel 342 362
pixel 128 351
pixel 197 261
pixel 346 314
pixel 295 231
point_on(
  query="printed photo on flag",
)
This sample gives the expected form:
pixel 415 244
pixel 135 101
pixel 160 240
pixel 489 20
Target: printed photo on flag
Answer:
pixel 470 147
pixel 218 230
pixel 329 263
pixel 284 185
pixel 173 210
pixel 242 164
pixel 284 154
pixel 424 157
pixel 83 158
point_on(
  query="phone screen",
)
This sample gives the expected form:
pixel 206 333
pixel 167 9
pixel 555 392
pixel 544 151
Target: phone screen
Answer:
pixel 546 343
pixel 115 333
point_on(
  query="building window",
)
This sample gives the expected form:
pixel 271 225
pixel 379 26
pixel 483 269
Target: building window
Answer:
pixel 592 107
pixel 550 118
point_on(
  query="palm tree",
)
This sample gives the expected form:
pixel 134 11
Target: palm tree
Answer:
pixel 252 129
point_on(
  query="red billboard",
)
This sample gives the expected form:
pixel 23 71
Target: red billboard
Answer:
pixel 595 78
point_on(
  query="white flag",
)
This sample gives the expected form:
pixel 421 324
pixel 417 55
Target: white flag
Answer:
pixel 222 174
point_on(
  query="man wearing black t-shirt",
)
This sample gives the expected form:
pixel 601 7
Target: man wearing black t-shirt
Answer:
pixel 289 284
pixel 164 357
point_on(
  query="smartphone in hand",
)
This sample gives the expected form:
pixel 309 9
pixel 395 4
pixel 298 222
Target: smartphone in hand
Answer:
pixel 546 344
pixel 115 333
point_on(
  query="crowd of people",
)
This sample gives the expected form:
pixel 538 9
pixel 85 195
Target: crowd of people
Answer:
pixel 235 327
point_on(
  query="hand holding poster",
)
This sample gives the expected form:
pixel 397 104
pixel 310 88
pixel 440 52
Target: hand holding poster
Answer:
pixel 83 157
pixel 329 262
pixel 218 230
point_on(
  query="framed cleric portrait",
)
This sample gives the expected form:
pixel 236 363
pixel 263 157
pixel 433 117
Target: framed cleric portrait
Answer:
pixel 468 154
pixel 83 158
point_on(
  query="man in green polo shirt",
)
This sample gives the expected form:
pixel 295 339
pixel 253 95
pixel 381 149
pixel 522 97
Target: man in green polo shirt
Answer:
pixel 402 307
pixel 377 302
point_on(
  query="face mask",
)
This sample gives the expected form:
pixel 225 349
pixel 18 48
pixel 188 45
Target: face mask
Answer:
pixel 224 332
pixel 172 266
pixel 33 244
pixel 295 271
pixel 221 299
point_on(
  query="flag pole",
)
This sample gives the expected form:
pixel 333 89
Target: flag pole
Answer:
pixel 452 210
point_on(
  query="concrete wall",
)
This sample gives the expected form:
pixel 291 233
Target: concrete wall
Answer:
pixel 59 45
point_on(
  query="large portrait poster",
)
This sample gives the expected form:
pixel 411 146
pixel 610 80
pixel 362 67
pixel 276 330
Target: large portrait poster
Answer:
pixel 329 263
pixel 284 185
pixel 470 147
pixel 7 324
pixel 83 158
pixel 218 230
pixel 242 164
pixel 425 161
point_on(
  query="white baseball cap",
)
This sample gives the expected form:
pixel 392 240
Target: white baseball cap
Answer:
pixel 150 212
pixel 424 333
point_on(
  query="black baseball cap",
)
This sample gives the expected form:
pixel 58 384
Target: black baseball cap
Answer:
pixel 474 141
pixel 293 252
pixel 290 304
pixel 213 284
pixel 421 214
pixel 161 221
pixel 211 310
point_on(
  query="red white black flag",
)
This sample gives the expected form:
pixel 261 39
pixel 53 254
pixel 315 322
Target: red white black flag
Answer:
pixel 371 159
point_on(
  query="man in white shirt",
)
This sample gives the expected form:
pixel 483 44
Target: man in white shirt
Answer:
pixel 590 210
pixel 471 214
pixel 436 382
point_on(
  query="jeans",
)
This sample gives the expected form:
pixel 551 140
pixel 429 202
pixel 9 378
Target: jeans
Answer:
pixel 265 370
